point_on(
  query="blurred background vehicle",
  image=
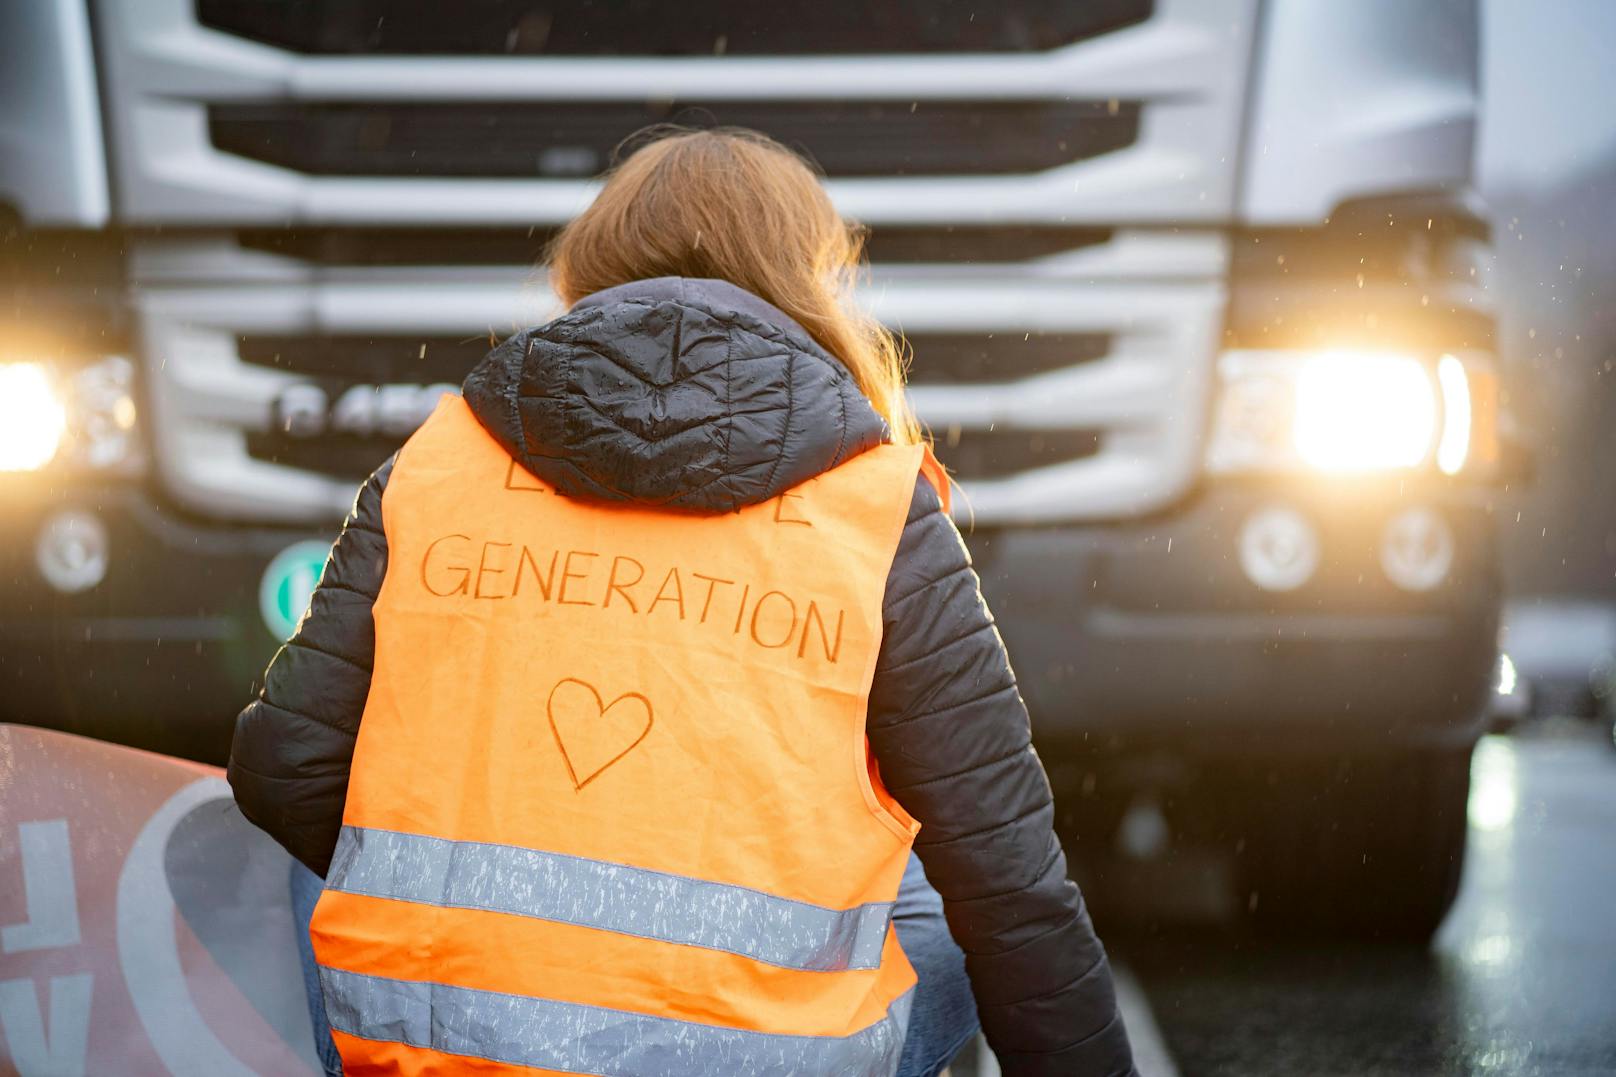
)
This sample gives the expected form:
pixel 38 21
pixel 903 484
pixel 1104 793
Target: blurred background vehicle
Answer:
pixel 1565 652
pixel 1196 291
pixel 1512 696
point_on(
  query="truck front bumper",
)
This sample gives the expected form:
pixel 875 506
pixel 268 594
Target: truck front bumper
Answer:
pixel 1128 636
pixel 1150 634
pixel 163 652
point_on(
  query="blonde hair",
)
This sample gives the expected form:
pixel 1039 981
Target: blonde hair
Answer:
pixel 735 205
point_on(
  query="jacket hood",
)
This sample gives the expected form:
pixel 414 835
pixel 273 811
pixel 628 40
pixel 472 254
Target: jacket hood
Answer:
pixel 679 393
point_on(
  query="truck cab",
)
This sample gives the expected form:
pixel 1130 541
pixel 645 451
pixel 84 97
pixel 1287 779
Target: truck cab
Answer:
pixel 1194 289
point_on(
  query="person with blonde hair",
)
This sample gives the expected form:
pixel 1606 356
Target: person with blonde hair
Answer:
pixel 647 718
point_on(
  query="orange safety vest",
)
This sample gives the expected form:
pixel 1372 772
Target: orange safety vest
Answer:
pixel 612 809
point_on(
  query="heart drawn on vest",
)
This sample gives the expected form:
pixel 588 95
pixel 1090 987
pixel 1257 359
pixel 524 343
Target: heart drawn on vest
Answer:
pixel 591 733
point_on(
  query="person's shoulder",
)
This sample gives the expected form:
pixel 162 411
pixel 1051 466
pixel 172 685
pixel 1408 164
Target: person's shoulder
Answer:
pixel 930 550
pixel 925 500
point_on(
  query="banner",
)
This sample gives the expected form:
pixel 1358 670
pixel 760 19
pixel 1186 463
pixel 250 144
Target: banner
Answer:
pixel 145 926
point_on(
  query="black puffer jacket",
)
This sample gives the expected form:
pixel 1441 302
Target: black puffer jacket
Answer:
pixel 591 403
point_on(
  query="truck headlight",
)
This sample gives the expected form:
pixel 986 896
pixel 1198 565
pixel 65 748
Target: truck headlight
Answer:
pixel 32 419
pixel 1458 415
pixel 82 415
pixel 1363 412
pixel 1341 411
pixel 102 414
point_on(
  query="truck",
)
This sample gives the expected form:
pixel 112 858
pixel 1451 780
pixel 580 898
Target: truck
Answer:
pixel 1195 292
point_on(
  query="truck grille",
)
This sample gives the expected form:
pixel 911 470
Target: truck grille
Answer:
pixel 571 139
pixel 647 27
pixel 373 360
pixel 935 245
pixel 1045 187
pixel 974 358
pixel 338 365
pixel 997 454
pixel 938 358
pixel 1034 385
pixel 1050 114
pixel 973 457
pixel 347 458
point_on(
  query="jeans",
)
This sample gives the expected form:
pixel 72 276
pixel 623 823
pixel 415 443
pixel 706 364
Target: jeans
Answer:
pixel 306 887
pixel 942 1019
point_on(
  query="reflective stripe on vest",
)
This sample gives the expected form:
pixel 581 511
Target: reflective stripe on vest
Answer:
pixel 611 807
pixel 612 897
pixel 578 1039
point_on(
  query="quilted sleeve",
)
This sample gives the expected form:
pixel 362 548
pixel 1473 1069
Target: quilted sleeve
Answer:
pixel 294 744
pixel 950 734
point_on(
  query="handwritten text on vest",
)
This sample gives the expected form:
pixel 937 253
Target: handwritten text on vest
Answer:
pixel 458 567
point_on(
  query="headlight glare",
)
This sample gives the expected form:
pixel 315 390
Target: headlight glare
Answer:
pixel 76 413
pixel 1344 411
pixel 32 418
pixel 1454 447
pixel 1367 411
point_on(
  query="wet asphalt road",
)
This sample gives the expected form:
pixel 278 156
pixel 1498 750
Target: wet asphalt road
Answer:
pixel 1521 979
